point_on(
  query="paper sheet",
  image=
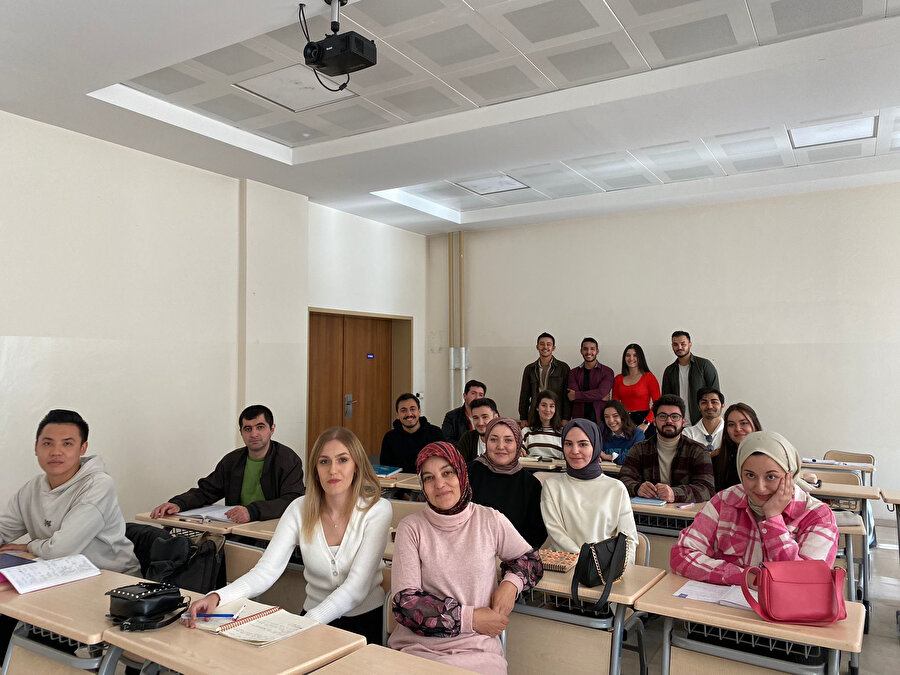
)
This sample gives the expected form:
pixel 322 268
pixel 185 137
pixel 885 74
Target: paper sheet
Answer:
pixel 211 512
pixel 47 573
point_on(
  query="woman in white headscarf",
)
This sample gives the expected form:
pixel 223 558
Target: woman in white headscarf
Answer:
pixel 769 516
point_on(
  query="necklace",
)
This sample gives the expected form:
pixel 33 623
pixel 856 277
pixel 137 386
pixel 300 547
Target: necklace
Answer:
pixel 334 524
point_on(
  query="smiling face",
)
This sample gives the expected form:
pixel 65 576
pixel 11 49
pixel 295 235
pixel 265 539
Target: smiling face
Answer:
pixel 500 445
pixel 710 406
pixel 760 477
pixel 681 346
pixel 631 358
pixel 613 420
pixel 480 418
pixel 738 425
pixel 545 347
pixel 669 421
pixel 335 468
pixel 408 414
pixel 546 409
pixel 59 449
pixel 441 484
pixel 589 351
pixel 577 448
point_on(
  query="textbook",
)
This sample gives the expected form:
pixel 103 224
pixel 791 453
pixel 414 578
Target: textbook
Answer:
pixel 46 573
pixel 647 500
pixel 558 561
pixel 730 596
pixel 255 623
pixel 386 471
pixel 205 513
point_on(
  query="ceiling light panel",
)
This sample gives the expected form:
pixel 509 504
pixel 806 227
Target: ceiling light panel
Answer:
pixel 614 171
pixel 753 150
pixel 599 58
pixel 449 195
pixel 397 16
pixel 525 196
pixel 504 80
pixel 674 162
pixel 784 19
pixel 555 180
pixel 697 32
pixel 489 184
pixel 534 25
pixel 295 88
pixel 888 131
pixel 836 152
pixel 422 100
pixel 833 131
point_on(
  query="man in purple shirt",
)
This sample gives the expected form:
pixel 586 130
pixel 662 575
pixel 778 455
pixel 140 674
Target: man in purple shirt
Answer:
pixel 590 384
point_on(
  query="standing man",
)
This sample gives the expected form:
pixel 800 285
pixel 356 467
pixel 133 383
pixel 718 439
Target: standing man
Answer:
pixel 412 432
pixel 669 466
pixel 590 384
pixel 547 373
pixel 708 431
pixel 259 480
pixel 688 375
pixel 471 445
pixel 459 420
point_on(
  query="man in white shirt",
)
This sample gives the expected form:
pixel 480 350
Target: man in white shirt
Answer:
pixel 708 431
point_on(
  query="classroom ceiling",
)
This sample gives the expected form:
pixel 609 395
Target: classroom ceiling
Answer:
pixel 586 107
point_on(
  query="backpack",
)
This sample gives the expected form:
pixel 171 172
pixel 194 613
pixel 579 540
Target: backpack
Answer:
pixel 193 562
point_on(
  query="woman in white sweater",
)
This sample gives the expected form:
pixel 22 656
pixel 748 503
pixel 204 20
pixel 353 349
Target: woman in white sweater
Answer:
pixel 584 505
pixel 341 526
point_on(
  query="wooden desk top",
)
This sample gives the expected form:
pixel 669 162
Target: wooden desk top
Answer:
pixel 174 521
pixel 407 481
pixel 534 464
pixel 891 496
pixel 76 610
pixel 378 660
pixel 636 581
pixel 195 652
pixel 260 529
pixel 822 465
pixel 847 491
pixel 844 635
pixel 669 510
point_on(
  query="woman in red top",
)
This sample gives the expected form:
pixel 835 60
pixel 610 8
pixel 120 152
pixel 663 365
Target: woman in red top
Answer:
pixel 637 388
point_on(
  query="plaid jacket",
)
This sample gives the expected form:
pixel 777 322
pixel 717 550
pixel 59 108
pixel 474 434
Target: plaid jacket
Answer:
pixel 726 537
pixel 691 475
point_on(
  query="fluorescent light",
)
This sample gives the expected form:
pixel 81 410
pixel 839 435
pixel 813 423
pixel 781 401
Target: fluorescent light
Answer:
pixel 490 185
pixel 833 132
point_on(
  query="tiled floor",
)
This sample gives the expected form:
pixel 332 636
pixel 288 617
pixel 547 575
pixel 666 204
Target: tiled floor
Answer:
pixel 881 646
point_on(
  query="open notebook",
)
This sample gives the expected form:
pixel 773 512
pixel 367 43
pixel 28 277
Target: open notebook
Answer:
pixel 730 596
pixel 257 624
pixel 40 574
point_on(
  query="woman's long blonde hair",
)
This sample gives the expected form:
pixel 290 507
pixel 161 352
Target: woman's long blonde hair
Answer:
pixel 365 484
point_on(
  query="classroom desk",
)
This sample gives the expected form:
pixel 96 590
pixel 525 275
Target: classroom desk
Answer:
pixel 195 652
pixel 534 464
pixel 636 581
pixel 76 611
pixel 662 525
pixel 263 530
pixel 892 499
pixel 864 469
pixel 378 660
pixel 406 481
pixel 214 527
pixel 841 636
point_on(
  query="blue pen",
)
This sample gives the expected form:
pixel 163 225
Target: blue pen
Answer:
pixel 210 616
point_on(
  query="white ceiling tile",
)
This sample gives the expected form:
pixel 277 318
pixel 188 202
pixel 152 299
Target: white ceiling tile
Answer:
pixel 752 150
pixel 390 17
pixel 523 196
pixel 783 19
pixel 166 81
pixel 707 30
pixel 449 195
pixel 295 88
pixel 349 117
pixel 233 59
pixel 534 25
pixel 555 180
pixel 292 133
pixel 835 152
pixel 422 100
pixel 232 107
pixel 614 171
pixel 392 70
pixel 599 58
pixel 684 160
pixel 888 130
pixel 504 80
pixel 670 12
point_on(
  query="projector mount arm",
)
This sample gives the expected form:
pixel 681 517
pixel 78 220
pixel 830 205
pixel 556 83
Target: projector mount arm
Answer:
pixel 336 14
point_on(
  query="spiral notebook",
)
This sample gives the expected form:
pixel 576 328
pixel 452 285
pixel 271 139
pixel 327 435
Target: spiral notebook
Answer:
pixel 558 561
pixel 258 624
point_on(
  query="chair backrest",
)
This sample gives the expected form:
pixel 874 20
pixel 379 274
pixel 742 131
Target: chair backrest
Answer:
pixel 402 508
pixel 642 552
pixel 844 456
pixel 842 477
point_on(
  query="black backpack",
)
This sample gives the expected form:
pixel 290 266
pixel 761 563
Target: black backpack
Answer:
pixel 193 562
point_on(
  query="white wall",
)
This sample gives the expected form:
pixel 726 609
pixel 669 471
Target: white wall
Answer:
pixel 795 299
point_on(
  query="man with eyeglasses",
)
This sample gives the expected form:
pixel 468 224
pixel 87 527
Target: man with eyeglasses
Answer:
pixel 708 431
pixel 669 466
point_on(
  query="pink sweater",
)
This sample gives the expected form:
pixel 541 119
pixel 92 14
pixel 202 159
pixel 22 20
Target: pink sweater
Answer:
pixel 455 556
pixel 725 537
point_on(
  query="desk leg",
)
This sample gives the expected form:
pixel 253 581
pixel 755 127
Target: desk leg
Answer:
pixel 897 514
pixel 851 566
pixel 615 649
pixel 7 658
pixel 668 625
pixel 110 661
pixel 834 662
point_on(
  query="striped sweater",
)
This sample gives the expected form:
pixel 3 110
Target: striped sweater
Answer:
pixel 542 442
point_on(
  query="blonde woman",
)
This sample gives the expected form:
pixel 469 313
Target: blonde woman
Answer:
pixel 341 526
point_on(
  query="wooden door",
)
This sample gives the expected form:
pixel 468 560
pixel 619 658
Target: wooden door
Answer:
pixel 350 355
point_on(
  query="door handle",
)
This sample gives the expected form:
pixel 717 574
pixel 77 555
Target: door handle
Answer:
pixel 348 406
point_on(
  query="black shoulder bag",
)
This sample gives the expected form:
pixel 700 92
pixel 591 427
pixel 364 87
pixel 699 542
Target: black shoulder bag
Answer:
pixel 145 605
pixel 602 562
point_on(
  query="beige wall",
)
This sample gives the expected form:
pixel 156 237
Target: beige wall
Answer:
pixel 795 299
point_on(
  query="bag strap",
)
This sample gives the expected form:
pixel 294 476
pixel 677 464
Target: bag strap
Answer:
pixel 748 596
pixel 616 559
pixel 584 559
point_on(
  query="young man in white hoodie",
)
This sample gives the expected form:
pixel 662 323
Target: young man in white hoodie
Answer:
pixel 70 508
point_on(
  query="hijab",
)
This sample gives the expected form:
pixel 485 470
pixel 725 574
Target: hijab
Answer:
pixel 592 469
pixel 451 454
pixel 512 467
pixel 776 447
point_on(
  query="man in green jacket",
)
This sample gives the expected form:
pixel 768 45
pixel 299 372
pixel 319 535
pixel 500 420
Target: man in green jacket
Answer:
pixel 688 375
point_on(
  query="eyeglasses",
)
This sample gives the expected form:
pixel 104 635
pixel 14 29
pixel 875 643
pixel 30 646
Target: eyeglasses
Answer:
pixel 675 417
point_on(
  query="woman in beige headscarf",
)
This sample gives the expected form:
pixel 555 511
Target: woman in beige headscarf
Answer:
pixel 769 516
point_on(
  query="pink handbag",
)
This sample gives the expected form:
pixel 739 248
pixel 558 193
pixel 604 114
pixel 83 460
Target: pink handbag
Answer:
pixel 797 591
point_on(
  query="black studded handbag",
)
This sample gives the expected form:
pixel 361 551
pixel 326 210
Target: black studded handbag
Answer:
pixel 145 605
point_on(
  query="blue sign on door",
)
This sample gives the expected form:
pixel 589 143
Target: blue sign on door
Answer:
pixel 370 356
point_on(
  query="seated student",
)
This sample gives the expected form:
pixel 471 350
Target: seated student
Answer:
pixel 459 420
pixel 446 599
pixel 669 466
pixel 70 508
pixel 412 432
pixel 619 432
pixel 499 481
pixel 471 445
pixel 708 431
pixel 543 435
pixel 259 480
pixel 341 526
pixel 585 505
pixel 738 421
pixel 767 517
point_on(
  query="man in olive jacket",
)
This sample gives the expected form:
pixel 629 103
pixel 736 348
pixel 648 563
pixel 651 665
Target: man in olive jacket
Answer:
pixel 688 374
pixel 548 373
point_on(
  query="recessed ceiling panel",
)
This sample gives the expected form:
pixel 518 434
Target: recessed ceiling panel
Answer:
pixel 389 17
pixel 422 100
pixel 294 88
pixel 449 195
pixel 685 160
pixel 166 81
pixel 352 116
pixel 232 108
pixel 233 59
pixel 783 19
pixel 502 81
pixel 670 12
pixel 888 130
pixel 292 133
pixel 593 60
pixel 533 25
pixel 752 150
pixel 524 196
pixel 836 152
pixel 613 171
pixel 555 180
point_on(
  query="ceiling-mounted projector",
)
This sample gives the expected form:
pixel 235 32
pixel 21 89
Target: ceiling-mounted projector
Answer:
pixel 339 54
